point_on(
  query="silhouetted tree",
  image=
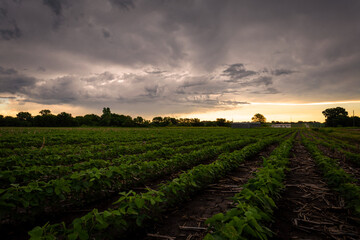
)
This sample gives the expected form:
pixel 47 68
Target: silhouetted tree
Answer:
pixel 157 121
pixel 45 112
pixel 258 118
pixel 25 119
pixel 336 117
pixel 106 117
pixel 65 120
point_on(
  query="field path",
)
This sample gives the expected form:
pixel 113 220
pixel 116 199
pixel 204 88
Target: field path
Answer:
pixel 187 220
pixel 308 209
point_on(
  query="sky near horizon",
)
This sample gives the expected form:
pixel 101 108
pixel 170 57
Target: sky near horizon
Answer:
pixel 288 60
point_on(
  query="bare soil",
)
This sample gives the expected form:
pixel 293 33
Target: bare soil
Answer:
pixel 186 221
pixel 308 209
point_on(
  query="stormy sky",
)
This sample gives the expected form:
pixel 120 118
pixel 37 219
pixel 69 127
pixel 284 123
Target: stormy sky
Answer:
pixel 177 58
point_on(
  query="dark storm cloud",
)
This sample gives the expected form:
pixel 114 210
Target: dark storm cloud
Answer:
pixel 54 5
pixel 123 4
pixel 264 80
pixel 13 82
pixel 3 13
pixel 7 71
pixel 11 31
pixel 278 72
pixel 236 72
pixel 127 52
pixel 106 33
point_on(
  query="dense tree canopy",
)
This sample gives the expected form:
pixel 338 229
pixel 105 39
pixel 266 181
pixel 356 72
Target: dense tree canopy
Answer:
pixel 258 118
pixel 335 117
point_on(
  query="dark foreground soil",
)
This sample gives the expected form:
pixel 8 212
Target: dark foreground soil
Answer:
pixel 308 208
pixel 187 220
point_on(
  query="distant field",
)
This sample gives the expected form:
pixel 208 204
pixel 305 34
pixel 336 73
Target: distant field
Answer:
pixel 188 183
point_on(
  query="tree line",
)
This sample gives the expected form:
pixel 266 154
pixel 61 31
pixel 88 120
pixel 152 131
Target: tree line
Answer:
pixel 109 119
pixel 338 117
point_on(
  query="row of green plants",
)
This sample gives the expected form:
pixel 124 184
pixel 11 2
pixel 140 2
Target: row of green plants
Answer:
pixel 20 148
pixel 255 204
pixel 19 140
pixel 336 146
pixel 20 175
pixel 91 184
pixel 342 143
pixel 335 176
pixel 33 137
pixel 105 152
pixel 134 210
pixel 349 137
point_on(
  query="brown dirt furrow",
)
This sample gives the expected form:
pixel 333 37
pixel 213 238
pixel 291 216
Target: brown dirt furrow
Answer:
pixel 187 220
pixel 308 209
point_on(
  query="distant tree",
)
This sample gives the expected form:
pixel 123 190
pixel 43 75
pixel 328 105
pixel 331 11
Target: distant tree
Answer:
pixel 45 119
pixel 106 117
pixel 184 122
pixel 157 121
pixel 196 122
pixel 10 121
pixel 221 122
pixel 45 112
pixel 89 120
pixel 336 117
pixel 335 112
pixel 24 116
pixel 258 118
pixel 65 120
pixel 138 120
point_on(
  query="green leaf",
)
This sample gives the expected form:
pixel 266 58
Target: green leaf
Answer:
pixel 73 236
pixel 107 213
pixel 132 211
pixel 139 202
pixel 36 233
pixel 57 191
pixel 83 235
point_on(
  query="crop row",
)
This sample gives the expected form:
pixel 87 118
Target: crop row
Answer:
pixel 93 183
pixel 22 175
pixel 335 145
pixel 33 137
pixel 58 156
pixel 101 152
pixel 255 203
pixel 26 139
pixel 339 142
pixel 133 209
pixel 344 136
pixel 335 176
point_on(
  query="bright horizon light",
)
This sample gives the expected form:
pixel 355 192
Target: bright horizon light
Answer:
pixel 304 104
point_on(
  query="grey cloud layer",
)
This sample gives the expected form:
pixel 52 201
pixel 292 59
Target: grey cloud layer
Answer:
pixel 180 53
pixel 144 89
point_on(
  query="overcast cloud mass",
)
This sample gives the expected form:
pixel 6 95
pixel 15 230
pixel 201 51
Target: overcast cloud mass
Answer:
pixel 172 57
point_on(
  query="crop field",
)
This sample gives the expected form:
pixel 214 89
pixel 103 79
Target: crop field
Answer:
pixel 179 183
